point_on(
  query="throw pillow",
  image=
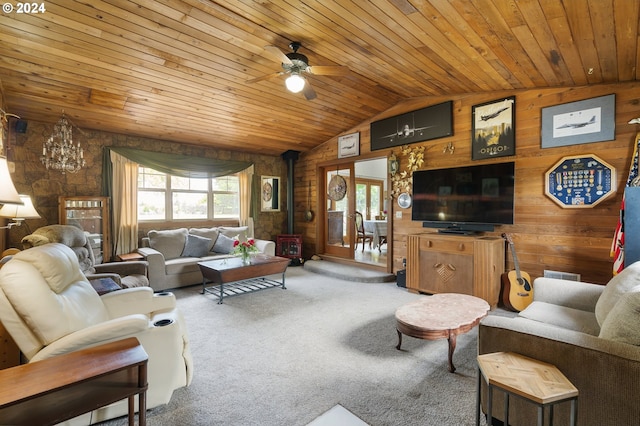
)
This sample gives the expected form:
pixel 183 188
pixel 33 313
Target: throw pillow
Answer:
pixel 223 244
pixel 169 242
pixel 211 233
pixel 68 235
pixel 239 232
pixel 196 246
pixel 622 322
pixel 34 240
pixel 615 288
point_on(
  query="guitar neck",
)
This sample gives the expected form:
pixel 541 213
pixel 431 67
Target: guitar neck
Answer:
pixel 516 266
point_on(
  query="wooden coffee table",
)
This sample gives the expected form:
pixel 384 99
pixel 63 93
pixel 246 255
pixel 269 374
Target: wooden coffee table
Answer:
pixel 231 277
pixel 441 316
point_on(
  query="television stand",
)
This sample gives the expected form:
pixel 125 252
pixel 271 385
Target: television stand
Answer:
pixel 442 263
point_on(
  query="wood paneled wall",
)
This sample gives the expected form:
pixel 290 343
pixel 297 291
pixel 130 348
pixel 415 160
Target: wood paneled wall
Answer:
pixel 545 235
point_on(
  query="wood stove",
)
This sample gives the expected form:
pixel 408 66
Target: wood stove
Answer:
pixel 290 246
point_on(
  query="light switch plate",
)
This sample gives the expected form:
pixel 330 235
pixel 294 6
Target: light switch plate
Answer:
pixel 399 215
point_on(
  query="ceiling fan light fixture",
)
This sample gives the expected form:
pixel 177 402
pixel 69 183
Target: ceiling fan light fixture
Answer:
pixel 295 83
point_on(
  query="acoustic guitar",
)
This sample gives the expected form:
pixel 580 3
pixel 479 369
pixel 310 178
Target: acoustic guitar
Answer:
pixel 517 292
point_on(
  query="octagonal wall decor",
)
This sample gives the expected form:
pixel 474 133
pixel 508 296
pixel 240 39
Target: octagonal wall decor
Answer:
pixel 580 181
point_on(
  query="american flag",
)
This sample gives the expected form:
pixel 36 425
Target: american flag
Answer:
pixel 617 246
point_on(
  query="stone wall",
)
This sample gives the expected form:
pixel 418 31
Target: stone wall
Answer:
pixel 45 186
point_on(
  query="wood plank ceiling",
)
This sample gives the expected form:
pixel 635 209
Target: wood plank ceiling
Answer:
pixel 178 69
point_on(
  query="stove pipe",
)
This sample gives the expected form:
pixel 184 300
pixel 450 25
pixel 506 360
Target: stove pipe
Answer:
pixel 290 157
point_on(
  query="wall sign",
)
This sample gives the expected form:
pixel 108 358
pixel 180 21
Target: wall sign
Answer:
pixel 580 181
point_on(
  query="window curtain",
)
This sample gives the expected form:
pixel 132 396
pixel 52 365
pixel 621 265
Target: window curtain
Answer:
pixel 246 178
pixel 176 165
pixel 124 204
pixel 183 165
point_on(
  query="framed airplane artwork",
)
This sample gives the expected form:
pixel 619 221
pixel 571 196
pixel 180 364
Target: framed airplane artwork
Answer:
pixel 574 123
pixel 493 131
pixel 428 123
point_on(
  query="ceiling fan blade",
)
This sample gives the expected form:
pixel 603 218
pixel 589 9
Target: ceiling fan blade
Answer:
pixel 329 70
pixel 265 77
pixel 278 54
pixel 308 91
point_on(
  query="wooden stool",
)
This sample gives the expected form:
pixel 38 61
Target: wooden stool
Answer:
pixel 538 382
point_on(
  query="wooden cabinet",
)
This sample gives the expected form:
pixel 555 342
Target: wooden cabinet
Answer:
pixel 335 220
pixel 439 263
pixel 91 214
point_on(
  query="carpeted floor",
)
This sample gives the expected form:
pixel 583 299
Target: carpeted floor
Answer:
pixel 284 357
pixel 347 272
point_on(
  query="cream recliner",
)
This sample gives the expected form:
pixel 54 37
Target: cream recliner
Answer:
pixel 49 308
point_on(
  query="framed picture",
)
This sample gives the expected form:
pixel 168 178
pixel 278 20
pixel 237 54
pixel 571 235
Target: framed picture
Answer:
pixel 349 145
pixel 573 123
pixel 493 129
pixel 270 193
pixel 580 181
pixel 428 123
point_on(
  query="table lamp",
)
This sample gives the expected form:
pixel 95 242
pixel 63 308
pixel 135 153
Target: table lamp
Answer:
pixel 8 193
pixel 19 212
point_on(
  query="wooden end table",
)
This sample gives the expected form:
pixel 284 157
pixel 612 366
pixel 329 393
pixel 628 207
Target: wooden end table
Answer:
pixel 231 277
pixel 56 389
pixel 536 381
pixel 441 316
pixel 129 257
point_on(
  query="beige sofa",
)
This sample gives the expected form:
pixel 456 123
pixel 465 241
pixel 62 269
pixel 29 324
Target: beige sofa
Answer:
pixel 173 255
pixel 591 333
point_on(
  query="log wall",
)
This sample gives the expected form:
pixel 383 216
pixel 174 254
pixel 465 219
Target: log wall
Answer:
pixel 546 236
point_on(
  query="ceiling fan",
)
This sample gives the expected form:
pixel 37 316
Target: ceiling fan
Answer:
pixel 295 65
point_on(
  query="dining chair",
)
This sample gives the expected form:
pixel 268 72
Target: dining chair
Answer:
pixel 361 234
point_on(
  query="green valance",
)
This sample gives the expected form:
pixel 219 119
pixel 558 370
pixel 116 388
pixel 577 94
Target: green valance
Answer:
pixel 182 165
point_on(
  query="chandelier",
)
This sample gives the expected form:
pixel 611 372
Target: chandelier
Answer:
pixel 59 151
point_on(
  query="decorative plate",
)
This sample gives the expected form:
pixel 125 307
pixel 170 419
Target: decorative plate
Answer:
pixel 337 188
pixel 267 191
pixel 404 200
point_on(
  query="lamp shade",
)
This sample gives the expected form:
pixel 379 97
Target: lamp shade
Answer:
pixel 294 83
pixel 8 193
pixel 20 212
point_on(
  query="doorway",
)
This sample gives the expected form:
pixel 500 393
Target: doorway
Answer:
pixel 356 187
pixel 371 199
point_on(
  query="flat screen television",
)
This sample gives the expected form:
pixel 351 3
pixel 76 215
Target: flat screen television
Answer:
pixel 464 199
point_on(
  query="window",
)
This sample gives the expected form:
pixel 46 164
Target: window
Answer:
pixel 369 197
pixel 164 197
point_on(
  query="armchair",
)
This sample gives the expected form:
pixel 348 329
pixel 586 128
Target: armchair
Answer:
pixel 125 274
pixel 590 332
pixel 49 308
